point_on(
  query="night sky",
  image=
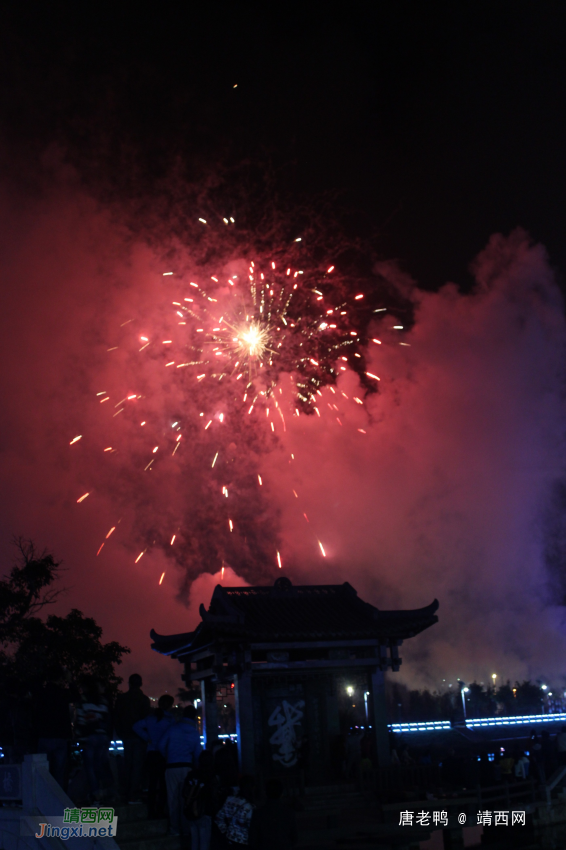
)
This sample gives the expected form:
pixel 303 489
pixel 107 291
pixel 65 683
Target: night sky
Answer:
pixel 427 142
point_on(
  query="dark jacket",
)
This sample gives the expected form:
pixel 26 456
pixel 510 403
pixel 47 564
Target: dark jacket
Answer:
pixel 130 707
pixel 93 718
pixel 273 827
pixel 152 727
pixel 51 712
pixel 180 743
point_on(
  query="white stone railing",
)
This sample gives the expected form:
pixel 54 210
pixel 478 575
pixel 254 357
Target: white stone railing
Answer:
pixel 42 797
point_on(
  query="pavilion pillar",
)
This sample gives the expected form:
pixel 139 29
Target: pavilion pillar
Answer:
pixel 210 712
pixel 378 718
pixel 245 722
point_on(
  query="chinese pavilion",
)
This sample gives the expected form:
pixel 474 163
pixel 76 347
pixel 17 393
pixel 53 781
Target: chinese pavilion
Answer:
pixel 304 664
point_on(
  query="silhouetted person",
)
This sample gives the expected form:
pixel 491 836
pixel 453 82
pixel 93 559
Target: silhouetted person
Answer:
pixel 226 765
pixel 507 765
pixel 450 768
pixel 273 825
pixel 353 754
pixel 52 721
pixel 549 755
pixel 522 765
pixel 536 756
pixel 93 727
pixel 180 745
pixel 131 707
pixel 202 787
pixel 366 764
pixel 151 730
pixel 338 754
pixel 366 746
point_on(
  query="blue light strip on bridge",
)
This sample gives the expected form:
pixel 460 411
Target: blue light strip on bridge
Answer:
pixel 517 720
pixel 433 725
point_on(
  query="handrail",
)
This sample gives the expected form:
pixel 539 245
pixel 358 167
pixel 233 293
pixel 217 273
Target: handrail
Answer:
pixel 549 786
pixel 510 792
pixel 560 774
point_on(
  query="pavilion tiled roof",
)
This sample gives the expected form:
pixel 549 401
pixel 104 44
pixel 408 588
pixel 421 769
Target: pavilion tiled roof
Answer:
pixel 284 612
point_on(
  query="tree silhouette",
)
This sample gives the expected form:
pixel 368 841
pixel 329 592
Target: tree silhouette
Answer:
pixel 31 646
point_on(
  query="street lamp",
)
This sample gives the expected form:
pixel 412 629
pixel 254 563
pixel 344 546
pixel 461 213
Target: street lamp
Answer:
pixel 463 690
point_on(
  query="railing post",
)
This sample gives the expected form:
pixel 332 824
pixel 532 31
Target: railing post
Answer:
pixel 31 762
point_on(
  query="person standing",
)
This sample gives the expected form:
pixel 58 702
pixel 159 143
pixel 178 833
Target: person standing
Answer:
pixel 201 793
pixel 507 765
pixel 225 756
pixel 131 707
pixel 549 754
pixel 522 765
pixel 51 708
pixel 180 745
pixel 151 730
pixel 93 731
pixel 234 818
pixel 535 751
pixel 273 826
pixel 353 754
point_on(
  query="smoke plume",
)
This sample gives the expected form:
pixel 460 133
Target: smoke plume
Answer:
pixel 447 483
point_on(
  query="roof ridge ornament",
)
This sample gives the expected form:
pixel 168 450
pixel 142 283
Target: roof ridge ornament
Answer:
pixel 283 585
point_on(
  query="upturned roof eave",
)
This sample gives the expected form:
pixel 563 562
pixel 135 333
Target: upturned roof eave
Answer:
pixel 207 634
